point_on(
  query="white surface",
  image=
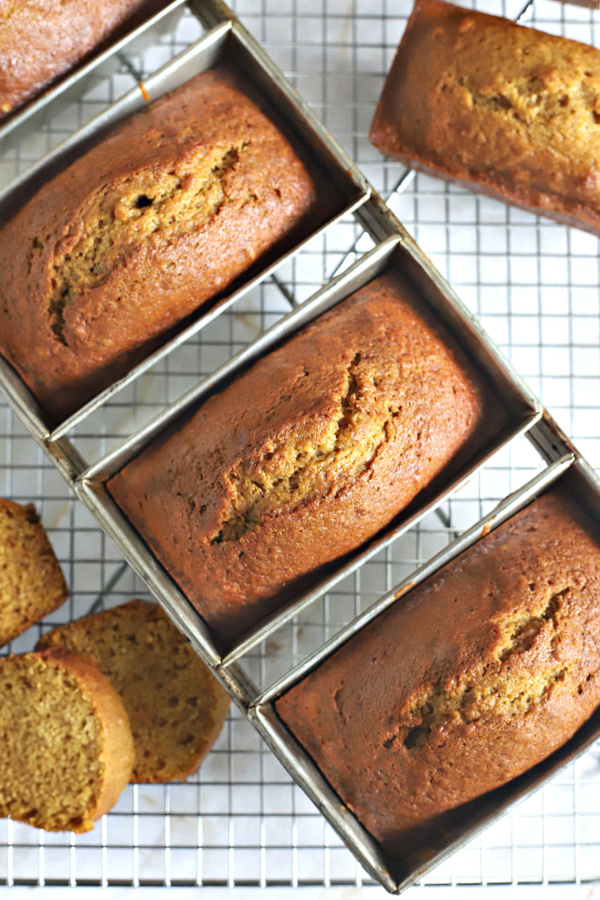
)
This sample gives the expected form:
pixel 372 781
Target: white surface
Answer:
pixel 547 892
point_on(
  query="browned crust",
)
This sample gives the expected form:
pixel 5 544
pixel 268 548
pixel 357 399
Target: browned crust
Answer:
pixel 57 590
pixel 177 492
pixel 486 190
pixel 515 617
pixel 589 4
pixel 41 41
pixel 118 743
pixel 418 125
pixel 110 324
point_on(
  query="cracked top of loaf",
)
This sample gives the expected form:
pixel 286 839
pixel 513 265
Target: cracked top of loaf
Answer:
pixel 483 100
pixel 138 233
pixel 467 681
pixel 305 456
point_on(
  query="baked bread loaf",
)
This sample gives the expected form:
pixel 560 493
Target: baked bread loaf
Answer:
pixel 305 456
pixel 503 109
pixel 474 676
pixel 176 708
pixel 155 220
pixel 67 749
pixel 31 581
pixel 42 40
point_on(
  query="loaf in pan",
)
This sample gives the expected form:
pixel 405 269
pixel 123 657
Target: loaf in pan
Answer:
pixel 305 456
pixel 467 681
pixel 501 108
pixel 138 233
pixel 40 40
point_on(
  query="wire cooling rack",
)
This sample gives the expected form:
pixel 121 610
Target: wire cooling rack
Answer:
pixel 533 284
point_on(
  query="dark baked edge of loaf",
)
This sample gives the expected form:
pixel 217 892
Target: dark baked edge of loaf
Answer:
pixel 434 835
pixel 142 13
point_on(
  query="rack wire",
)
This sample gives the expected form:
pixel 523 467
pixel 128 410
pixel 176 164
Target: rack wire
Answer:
pixel 533 284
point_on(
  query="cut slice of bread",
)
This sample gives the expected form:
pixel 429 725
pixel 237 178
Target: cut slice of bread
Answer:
pixel 175 706
pixel 67 749
pixel 31 582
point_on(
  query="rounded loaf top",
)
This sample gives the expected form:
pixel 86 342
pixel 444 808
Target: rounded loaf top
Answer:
pixel 468 680
pixel 305 456
pixel 42 40
pixel 505 109
pixel 156 219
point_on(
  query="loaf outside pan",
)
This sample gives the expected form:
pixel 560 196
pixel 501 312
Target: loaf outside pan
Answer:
pixel 70 87
pixel 227 40
pixel 396 874
pixel 476 126
pixel 520 408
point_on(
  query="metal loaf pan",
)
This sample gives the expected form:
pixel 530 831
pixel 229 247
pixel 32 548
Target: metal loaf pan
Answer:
pixel 398 252
pixel 227 40
pixel 399 873
pixel 100 65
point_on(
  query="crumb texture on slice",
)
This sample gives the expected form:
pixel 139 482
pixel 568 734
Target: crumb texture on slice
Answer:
pixel 31 581
pixel 175 706
pixel 67 749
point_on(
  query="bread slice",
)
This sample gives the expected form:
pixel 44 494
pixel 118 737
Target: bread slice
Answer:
pixel 31 582
pixel 67 749
pixel 175 706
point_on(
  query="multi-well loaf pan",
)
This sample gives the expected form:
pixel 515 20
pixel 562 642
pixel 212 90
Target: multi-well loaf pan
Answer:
pixel 517 404
pixel 397 874
pixel 227 40
pixel 101 64
pixel 525 409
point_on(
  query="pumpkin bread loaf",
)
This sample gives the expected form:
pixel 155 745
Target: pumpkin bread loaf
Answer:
pixel 40 40
pixel 142 230
pixel 67 750
pixel 31 581
pixel 504 109
pixel 305 456
pixel 468 680
pixel 175 706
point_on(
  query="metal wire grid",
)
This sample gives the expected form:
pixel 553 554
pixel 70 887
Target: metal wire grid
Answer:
pixel 534 286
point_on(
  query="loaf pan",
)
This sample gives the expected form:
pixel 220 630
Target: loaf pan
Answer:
pixel 226 40
pixel 72 85
pixel 398 874
pixel 396 251
pixel 90 485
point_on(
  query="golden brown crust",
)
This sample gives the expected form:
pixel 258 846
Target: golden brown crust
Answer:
pixel 306 456
pixel 136 235
pixel 78 720
pixel 40 40
pixel 175 706
pixel 31 580
pixel 467 681
pixel 507 110
pixel 118 741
